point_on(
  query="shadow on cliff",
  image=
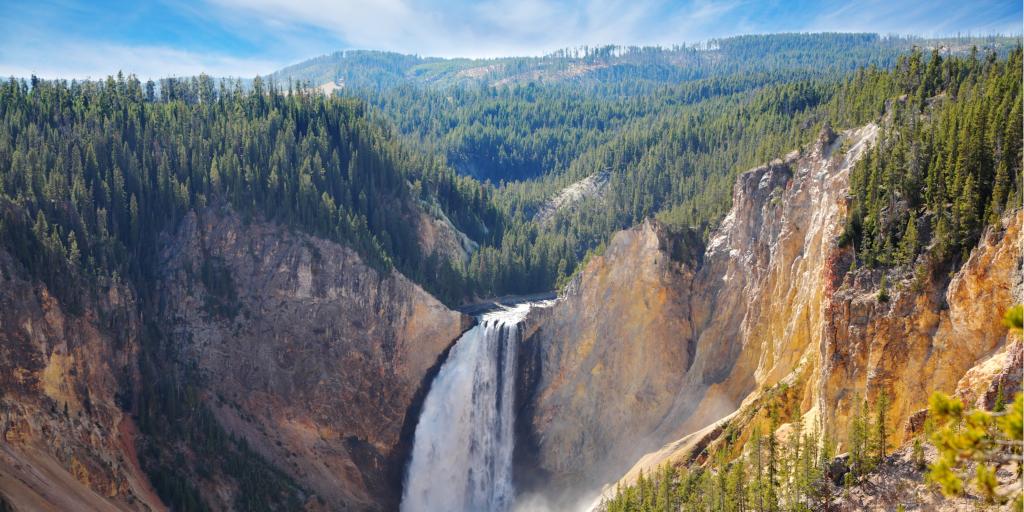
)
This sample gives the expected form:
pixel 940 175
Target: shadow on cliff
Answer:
pixel 402 454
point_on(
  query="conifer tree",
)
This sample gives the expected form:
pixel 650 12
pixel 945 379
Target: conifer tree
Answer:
pixel 908 246
pixel 881 437
pixel 772 470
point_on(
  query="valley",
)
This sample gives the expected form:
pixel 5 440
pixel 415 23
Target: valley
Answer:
pixel 744 274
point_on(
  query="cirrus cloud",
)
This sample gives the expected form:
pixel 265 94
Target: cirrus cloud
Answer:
pixel 156 38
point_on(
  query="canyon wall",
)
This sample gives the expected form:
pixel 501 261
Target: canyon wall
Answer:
pixel 66 441
pixel 313 357
pixel 652 352
pixel 317 361
pixel 657 347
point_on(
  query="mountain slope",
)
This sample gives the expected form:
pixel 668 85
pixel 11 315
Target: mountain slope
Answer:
pixel 284 356
pixel 65 438
pixel 136 339
pixel 636 67
pixel 697 342
pixel 316 360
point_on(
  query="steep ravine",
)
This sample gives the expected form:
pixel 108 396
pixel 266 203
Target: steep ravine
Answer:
pixel 318 361
pixel 66 374
pixel 660 338
pixel 315 358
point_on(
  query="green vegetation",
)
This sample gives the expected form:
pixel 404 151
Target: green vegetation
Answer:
pixel 680 163
pixel 984 442
pixel 947 164
pixel 765 473
pixel 768 474
pixel 93 172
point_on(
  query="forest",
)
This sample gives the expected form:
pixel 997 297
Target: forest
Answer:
pixel 801 472
pixel 95 171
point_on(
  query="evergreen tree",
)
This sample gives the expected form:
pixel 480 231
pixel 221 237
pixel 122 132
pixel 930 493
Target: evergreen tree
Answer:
pixel 881 438
pixel 909 244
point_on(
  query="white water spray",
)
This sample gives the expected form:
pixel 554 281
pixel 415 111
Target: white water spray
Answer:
pixel 462 451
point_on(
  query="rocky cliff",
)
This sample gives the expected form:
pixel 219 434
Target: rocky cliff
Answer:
pixel 604 365
pixel 66 442
pixel 311 356
pixel 316 360
pixel 653 350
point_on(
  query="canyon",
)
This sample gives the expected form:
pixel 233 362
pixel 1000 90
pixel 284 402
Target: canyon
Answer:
pixel 316 360
pixel 323 364
pixel 662 346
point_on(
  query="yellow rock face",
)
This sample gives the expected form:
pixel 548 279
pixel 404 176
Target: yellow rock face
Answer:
pixel 921 342
pixel 59 375
pixel 684 348
pixel 618 346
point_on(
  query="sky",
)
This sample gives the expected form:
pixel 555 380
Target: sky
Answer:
pixel 159 38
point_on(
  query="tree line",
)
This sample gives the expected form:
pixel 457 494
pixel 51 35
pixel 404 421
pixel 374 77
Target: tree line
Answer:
pixel 769 471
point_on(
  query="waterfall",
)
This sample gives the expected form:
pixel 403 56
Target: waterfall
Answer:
pixel 462 450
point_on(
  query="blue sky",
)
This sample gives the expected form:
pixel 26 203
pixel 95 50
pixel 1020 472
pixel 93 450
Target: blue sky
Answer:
pixel 156 38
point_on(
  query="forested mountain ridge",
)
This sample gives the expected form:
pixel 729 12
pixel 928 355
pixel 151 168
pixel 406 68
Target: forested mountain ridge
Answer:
pixel 95 171
pixel 138 160
pixel 511 128
pixel 632 68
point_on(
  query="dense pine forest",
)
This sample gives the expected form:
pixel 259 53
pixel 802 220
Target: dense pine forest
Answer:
pixel 95 171
pixel 948 164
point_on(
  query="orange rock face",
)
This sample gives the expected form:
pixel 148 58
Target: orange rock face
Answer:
pixel 318 361
pixel 61 371
pixel 646 357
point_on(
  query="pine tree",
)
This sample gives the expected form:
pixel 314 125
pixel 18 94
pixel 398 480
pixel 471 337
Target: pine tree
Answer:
pixel 772 476
pixel 908 246
pixel 966 208
pixel 759 486
pixel 881 429
pixel 737 486
pixel 74 254
pixel 666 481
pixel 859 438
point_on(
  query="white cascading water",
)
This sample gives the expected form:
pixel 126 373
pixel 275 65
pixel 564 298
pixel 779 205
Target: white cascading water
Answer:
pixel 462 450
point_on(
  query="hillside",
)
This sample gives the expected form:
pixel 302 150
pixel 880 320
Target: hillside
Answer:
pixel 637 66
pixel 666 351
pixel 216 297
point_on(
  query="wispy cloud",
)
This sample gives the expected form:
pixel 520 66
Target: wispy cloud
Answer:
pixel 493 28
pixel 156 38
pixel 88 59
pixel 920 18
